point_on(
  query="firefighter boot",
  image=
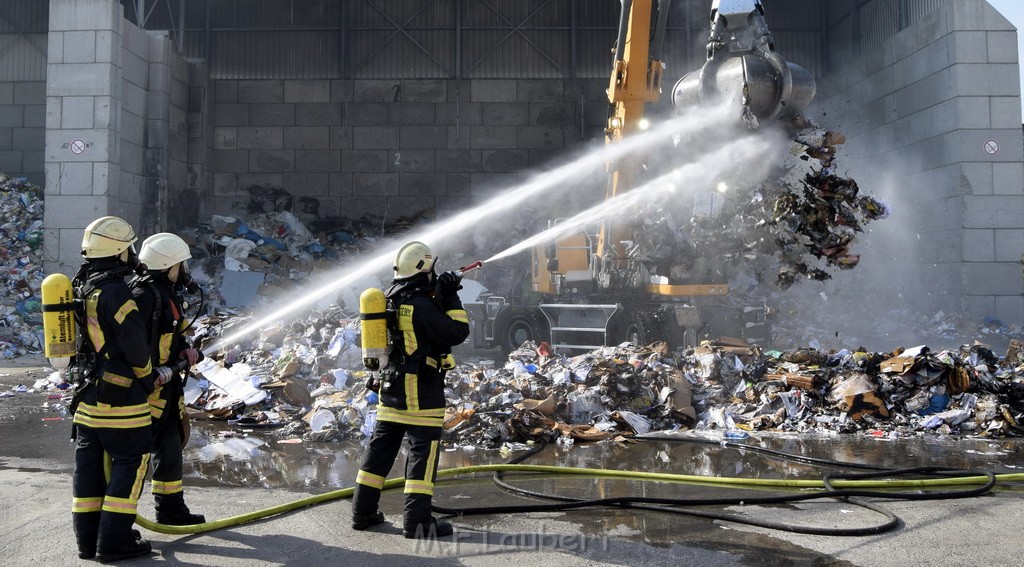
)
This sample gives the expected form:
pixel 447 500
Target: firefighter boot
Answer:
pixel 364 508
pixel 87 527
pixel 418 521
pixel 172 511
pixel 117 540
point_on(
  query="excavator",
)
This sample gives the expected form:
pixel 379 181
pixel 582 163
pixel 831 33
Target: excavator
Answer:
pixel 594 287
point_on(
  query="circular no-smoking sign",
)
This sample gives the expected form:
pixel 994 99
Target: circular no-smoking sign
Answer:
pixel 991 147
pixel 77 147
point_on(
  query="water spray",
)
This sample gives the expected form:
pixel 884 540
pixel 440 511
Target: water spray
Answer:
pixel 690 123
pixel 696 174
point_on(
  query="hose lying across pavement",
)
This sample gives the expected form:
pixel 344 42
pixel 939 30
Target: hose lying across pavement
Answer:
pixel 673 505
pixel 838 486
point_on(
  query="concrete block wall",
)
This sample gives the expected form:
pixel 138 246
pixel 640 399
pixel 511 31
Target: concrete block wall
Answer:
pixel 354 147
pixel 116 126
pixel 22 129
pixel 154 138
pixel 922 112
pixel 194 197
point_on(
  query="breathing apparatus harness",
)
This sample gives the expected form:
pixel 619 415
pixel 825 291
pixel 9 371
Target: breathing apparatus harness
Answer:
pixel 87 359
pixel 379 326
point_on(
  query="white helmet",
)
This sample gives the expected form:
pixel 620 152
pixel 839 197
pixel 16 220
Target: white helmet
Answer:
pixel 106 237
pixel 163 250
pixel 414 258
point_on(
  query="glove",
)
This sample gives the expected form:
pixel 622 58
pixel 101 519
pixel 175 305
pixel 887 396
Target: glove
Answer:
pixel 372 384
pixel 163 375
pixel 192 355
pixel 448 284
pixel 447 361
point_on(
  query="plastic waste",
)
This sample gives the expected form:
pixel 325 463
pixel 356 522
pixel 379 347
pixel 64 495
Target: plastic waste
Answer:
pixel 369 423
pixel 734 434
pixel 321 419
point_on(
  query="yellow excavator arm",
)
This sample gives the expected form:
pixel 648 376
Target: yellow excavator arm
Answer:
pixel 635 81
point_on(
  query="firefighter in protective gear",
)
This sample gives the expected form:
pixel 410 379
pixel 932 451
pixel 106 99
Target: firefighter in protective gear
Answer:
pixel 158 295
pixel 430 321
pixel 111 414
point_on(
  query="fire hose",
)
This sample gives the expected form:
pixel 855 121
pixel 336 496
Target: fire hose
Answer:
pixel 836 486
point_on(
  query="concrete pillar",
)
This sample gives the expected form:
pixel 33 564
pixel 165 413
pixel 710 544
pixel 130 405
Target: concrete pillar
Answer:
pixel 82 152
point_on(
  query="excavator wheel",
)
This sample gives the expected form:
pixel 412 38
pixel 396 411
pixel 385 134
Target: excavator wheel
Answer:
pixel 635 328
pixel 516 325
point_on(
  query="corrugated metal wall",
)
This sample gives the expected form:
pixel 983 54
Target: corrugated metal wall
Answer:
pixel 879 20
pixel 473 39
pixel 23 27
pixel 306 39
pixel 399 38
pixel 853 25
pixel 796 27
pixel 917 9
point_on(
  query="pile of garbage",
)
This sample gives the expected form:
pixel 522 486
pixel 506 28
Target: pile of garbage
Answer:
pixel 278 245
pixel 305 377
pixel 968 390
pixel 732 388
pixel 305 381
pixel 21 262
pixel 599 395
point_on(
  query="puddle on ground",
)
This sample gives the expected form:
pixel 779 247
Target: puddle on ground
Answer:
pixel 259 459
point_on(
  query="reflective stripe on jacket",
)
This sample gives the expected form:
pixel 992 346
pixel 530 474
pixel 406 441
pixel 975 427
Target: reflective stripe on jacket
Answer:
pixel 123 376
pixel 414 392
pixel 150 296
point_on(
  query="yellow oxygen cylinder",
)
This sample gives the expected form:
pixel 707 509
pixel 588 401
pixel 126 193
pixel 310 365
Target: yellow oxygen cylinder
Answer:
pixel 373 326
pixel 60 336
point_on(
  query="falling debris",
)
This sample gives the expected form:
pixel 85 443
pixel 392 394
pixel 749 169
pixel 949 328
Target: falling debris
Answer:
pixel 800 223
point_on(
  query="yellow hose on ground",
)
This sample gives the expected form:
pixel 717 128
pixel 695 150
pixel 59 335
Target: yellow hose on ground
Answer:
pixel 573 471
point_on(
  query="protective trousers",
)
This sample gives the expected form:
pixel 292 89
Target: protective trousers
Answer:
pixel 420 470
pixel 110 468
pixel 168 492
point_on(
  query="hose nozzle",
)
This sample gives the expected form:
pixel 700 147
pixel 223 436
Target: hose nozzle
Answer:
pixel 463 270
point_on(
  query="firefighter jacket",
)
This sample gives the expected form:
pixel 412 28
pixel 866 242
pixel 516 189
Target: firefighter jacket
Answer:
pixel 162 309
pixel 412 389
pixel 120 373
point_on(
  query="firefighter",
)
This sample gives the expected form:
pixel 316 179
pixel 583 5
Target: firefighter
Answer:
pixel 111 414
pixel 430 321
pixel 159 297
